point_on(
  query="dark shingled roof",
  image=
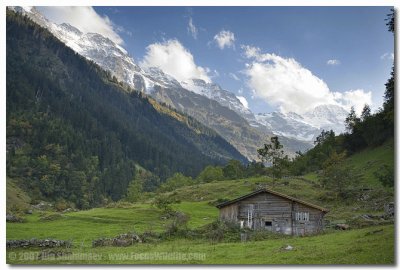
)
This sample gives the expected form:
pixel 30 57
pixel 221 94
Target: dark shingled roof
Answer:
pixel 274 193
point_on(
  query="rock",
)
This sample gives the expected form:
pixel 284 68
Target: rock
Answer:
pixel 287 248
pixel 43 206
pixel 12 218
pixel 29 212
pixel 389 209
pixel 69 210
pixel 122 240
pixel 367 217
pixel 50 243
pixel 342 226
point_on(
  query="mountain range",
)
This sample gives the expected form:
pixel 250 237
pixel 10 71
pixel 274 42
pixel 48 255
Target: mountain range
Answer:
pixel 75 132
pixel 207 102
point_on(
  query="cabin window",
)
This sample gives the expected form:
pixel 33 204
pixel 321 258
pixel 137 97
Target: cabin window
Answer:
pixel 268 223
pixel 302 216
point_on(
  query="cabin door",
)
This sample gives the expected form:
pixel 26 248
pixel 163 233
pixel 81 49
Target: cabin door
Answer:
pixel 247 212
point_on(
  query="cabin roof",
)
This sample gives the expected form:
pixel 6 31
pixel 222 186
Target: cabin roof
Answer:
pixel 221 205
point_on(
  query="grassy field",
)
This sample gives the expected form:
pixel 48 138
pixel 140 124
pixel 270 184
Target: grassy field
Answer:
pixel 369 161
pixel 373 245
pixel 84 226
pixel 357 246
pixel 370 241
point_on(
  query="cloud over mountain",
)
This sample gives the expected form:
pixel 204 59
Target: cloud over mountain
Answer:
pixel 85 19
pixel 174 59
pixel 285 83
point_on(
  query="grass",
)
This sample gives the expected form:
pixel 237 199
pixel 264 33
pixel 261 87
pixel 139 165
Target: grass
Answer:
pixel 370 160
pixel 357 246
pixel 360 246
pixel 17 199
pixel 84 226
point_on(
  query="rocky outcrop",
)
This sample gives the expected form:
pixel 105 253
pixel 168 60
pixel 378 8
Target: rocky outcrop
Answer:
pixel 48 243
pixel 122 240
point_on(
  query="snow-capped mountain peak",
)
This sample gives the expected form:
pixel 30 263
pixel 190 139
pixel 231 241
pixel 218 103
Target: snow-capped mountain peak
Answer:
pixel 216 92
pixel 307 126
pixel 152 80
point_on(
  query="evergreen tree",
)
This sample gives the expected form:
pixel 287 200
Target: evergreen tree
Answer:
pixel 274 154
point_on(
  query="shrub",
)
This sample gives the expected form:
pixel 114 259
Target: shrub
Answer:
pixel 50 216
pixel 163 202
pixel 178 226
pixel 120 204
pixel 222 231
pixel 61 205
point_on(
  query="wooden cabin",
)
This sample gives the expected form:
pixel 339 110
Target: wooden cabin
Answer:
pixel 266 209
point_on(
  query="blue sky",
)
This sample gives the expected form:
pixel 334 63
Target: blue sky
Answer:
pixel 278 55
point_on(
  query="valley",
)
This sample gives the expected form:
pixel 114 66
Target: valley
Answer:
pixel 112 160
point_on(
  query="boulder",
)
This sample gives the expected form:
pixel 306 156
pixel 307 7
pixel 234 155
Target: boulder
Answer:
pixel 49 243
pixel 122 240
pixel 287 248
pixel 13 218
pixel 342 226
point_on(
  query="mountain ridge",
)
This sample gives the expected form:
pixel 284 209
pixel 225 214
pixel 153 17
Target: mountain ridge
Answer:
pixel 155 82
pixel 73 130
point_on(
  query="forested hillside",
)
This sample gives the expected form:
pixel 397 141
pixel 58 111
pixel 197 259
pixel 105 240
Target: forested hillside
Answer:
pixel 75 133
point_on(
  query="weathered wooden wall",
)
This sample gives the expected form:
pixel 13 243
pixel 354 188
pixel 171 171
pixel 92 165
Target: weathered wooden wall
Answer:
pixel 314 225
pixel 229 212
pixel 267 208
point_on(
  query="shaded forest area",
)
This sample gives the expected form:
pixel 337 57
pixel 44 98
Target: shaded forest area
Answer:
pixel 76 133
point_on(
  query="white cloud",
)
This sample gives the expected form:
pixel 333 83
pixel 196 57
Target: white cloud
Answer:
pixel 225 39
pixel 285 83
pixel 387 56
pixel 233 76
pixel 243 100
pixel 174 59
pixel 192 28
pixel 333 62
pixel 85 19
pixel 357 98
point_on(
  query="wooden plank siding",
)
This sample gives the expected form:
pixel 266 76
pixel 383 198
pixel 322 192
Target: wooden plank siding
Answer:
pixel 264 210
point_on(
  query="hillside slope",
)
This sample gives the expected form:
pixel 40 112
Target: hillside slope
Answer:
pixel 74 132
pixel 370 239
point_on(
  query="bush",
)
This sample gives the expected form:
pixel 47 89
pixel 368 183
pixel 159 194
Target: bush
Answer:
pixel 178 226
pixel 150 237
pixel 176 181
pixel 211 173
pixel 385 175
pixel 50 216
pixel 163 202
pixel 120 204
pixel 219 231
pixel 61 205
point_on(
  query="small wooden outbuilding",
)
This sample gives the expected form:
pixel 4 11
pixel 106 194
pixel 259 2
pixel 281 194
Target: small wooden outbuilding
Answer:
pixel 270 210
